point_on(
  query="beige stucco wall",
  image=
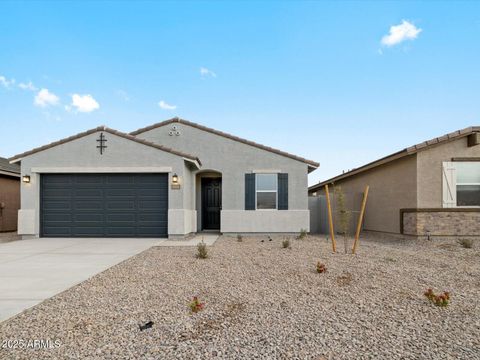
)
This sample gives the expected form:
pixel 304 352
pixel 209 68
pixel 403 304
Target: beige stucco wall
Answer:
pixel 429 169
pixel 392 187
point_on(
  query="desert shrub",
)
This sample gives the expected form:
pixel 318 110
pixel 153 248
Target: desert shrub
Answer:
pixel 202 252
pixel 239 238
pixel 286 243
pixel 303 234
pixel 466 243
pixel 195 305
pixel 321 268
pixel 439 300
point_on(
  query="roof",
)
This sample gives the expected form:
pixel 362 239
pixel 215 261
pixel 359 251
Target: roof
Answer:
pixel 18 157
pixel 9 169
pixel 312 164
pixel 400 154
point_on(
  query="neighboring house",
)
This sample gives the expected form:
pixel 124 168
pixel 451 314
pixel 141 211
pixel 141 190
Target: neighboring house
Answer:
pixel 429 188
pixel 9 195
pixel 169 179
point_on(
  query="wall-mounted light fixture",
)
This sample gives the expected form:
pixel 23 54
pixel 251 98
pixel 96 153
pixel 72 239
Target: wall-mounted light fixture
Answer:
pixel 26 178
pixel 175 183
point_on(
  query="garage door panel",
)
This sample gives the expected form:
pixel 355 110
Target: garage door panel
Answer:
pixel 94 193
pixel 120 205
pixel 130 217
pixel 112 193
pixel 59 231
pixel 64 205
pixel 120 179
pixel 88 179
pixel 92 205
pixel 122 231
pixel 99 205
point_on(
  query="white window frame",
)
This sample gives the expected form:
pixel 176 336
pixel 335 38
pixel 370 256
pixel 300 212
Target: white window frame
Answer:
pixel 266 191
pixel 457 184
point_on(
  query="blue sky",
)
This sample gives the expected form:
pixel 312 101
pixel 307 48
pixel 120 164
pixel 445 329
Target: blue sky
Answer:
pixel 330 81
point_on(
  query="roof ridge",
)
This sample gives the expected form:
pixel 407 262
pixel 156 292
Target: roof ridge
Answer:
pixel 109 130
pixel 226 135
pixel 399 154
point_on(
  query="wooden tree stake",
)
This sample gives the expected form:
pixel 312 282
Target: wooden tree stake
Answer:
pixel 360 219
pixel 330 220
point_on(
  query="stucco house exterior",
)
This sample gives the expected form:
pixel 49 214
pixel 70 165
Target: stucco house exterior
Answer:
pixel 9 195
pixel 432 188
pixel 170 179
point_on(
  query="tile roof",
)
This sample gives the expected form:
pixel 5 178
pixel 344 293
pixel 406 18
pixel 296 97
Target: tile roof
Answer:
pixel 402 153
pixel 111 131
pixel 6 167
pixel 313 165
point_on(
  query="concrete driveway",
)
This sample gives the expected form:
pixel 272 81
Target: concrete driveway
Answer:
pixel 34 270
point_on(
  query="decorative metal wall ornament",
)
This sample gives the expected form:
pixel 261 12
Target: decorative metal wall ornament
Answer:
pixel 174 131
pixel 102 142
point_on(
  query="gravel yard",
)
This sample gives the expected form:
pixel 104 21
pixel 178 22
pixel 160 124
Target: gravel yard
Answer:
pixel 263 301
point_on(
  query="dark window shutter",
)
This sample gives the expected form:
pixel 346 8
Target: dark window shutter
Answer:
pixel 249 191
pixel 282 191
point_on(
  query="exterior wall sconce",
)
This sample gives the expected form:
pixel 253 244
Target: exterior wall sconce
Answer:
pixel 26 179
pixel 175 183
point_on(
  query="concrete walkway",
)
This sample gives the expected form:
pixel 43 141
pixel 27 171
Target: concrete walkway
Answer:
pixel 34 270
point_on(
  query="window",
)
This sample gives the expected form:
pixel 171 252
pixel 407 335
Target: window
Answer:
pixel 266 191
pixel 468 183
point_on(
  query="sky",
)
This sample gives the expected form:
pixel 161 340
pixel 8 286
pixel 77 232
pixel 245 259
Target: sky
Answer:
pixel 341 83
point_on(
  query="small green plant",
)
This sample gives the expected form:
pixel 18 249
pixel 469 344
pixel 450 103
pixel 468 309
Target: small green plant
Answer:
pixel 202 252
pixel 466 243
pixel 195 305
pixel 439 300
pixel 286 243
pixel 321 268
pixel 239 238
pixel 303 234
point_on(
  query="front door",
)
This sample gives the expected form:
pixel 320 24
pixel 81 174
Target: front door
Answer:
pixel 211 203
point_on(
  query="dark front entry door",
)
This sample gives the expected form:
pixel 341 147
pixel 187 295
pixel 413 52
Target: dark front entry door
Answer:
pixel 211 203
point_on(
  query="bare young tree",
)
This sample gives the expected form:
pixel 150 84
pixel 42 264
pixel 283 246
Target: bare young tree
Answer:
pixel 344 215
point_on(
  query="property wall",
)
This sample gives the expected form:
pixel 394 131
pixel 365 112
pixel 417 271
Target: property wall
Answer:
pixel 442 223
pixel 429 169
pixel 233 160
pixel 121 155
pixel 9 202
pixel 392 187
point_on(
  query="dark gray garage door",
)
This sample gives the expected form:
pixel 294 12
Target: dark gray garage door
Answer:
pixel 104 205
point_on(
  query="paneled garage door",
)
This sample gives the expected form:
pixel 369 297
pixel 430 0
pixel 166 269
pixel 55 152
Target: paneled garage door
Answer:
pixel 104 205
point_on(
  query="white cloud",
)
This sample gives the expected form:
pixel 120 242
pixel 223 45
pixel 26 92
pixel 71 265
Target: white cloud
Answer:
pixel 6 82
pixel 400 33
pixel 206 72
pixel 166 106
pixel 45 98
pixel 83 103
pixel 27 86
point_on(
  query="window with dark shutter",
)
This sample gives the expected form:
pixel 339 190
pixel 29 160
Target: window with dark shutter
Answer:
pixel 282 191
pixel 249 191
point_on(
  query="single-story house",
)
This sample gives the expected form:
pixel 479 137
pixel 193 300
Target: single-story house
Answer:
pixel 9 195
pixel 170 179
pixel 432 188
